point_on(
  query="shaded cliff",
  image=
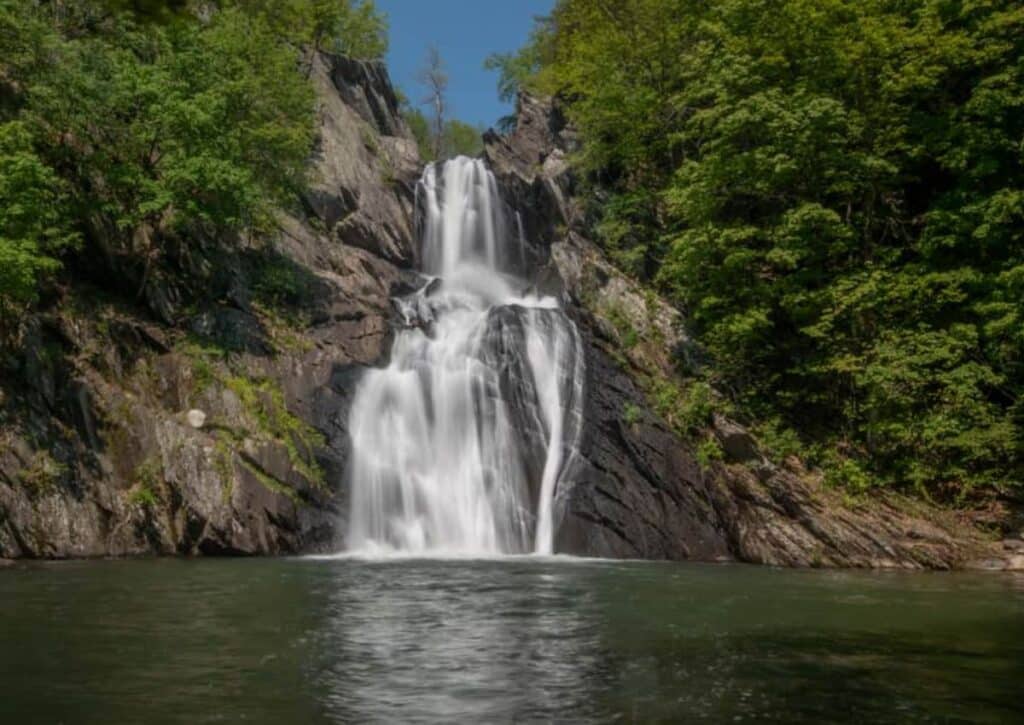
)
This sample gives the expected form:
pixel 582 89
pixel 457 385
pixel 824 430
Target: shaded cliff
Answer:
pixel 212 421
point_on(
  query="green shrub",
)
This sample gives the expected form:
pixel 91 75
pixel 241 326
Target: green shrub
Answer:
pixel 696 405
pixel 277 283
pixel 847 474
pixel 778 441
pixel 709 451
pixel 264 401
pixel 33 227
pixel 631 414
pixel 43 473
pixel 628 335
pixel 149 482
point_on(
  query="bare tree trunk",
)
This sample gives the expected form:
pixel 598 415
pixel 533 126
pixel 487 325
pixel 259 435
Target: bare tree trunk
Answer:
pixel 434 78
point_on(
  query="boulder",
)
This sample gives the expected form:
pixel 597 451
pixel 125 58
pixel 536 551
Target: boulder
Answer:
pixel 737 443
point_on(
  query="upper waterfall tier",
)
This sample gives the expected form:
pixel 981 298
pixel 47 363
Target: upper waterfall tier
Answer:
pixel 464 223
pixel 463 442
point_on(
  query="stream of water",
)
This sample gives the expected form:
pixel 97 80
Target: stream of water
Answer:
pixel 461 443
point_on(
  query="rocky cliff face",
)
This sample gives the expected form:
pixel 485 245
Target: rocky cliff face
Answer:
pixel 220 427
pixel 640 490
pixel 222 432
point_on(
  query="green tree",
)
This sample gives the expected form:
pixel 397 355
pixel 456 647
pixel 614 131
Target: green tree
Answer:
pixel 458 137
pixel 352 27
pixel 462 139
pixel 33 231
pixel 362 31
pixel 833 191
pixel 167 135
pixel 190 123
pixel 518 70
pixel 419 125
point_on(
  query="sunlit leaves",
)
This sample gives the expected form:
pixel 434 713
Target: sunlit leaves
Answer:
pixel 833 190
pixel 32 228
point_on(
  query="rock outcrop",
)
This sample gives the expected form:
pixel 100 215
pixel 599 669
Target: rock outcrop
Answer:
pixel 640 489
pixel 220 429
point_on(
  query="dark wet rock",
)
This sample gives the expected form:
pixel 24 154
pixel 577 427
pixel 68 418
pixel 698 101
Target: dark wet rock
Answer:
pixel 364 86
pixel 737 443
pixel 234 329
pixel 636 492
pixel 536 182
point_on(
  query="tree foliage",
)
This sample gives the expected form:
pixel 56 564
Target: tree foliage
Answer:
pixel 32 228
pixel 834 190
pixel 147 127
pixel 362 31
pixel 184 124
pixel 458 138
pixel 462 139
pixel 419 125
pixel 518 69
pixel 352 27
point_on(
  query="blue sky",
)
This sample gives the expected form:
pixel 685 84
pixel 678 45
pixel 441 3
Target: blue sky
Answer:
pixel 466 32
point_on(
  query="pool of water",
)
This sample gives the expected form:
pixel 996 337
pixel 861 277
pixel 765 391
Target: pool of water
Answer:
pixel 323 641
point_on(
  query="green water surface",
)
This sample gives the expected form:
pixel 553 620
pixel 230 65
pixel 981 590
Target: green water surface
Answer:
pixel 325 641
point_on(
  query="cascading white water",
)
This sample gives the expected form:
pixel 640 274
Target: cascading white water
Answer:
pixel 462 444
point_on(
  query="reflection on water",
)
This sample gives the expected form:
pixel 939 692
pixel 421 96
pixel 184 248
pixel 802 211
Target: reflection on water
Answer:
pixel 458 646
pixel 304 640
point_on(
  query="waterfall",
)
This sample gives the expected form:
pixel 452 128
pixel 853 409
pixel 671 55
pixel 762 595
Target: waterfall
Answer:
pixel 463 443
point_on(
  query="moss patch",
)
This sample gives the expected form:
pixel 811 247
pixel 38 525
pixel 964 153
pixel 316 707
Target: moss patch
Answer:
pixel 709 452
pixel 263 400
pixel 148 487
pixel 284 330
pixel 266 418
pixel 42 474
pixel 224 464
pixel 269 481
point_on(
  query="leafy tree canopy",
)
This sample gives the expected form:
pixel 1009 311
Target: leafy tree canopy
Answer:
pixel 834 191
pixel 458 139
pixel 32 229
pixel 159 126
